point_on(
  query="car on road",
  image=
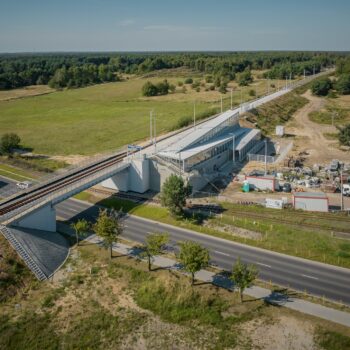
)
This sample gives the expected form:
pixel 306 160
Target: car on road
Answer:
pixel 23 185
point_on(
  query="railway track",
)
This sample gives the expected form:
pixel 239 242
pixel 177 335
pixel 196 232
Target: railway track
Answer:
pixel 60 183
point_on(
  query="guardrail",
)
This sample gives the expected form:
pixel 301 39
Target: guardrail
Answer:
pixel 59 195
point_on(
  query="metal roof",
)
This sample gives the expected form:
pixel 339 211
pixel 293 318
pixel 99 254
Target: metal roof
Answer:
pixel 320 195
pixel 242 137
pixel 201 130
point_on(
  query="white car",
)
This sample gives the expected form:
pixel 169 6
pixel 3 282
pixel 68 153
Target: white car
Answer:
pixel 24 185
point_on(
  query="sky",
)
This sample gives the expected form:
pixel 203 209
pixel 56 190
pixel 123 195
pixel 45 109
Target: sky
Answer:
pixel 173 25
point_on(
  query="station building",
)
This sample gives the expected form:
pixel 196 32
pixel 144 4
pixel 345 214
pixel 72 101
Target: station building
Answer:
pixel 199 155
pixel 209 148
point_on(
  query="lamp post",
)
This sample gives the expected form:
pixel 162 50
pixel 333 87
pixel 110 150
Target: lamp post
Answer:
pixel 265 156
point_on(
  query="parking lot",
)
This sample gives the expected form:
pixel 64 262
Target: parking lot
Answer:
pixel 7 187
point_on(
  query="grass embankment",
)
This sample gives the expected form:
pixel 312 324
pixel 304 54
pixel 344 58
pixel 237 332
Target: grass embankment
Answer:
pixel 107 116
pixel 336 110
pixel 15 173
pixel 276 112
pixel 114 304
pixel 14 275
pixel 282 238
pixel 24 169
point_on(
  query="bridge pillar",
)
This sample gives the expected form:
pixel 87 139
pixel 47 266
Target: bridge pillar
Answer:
pixel 42 219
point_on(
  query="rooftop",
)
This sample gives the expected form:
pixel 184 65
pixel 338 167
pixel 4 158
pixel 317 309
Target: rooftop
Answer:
pixel 321 195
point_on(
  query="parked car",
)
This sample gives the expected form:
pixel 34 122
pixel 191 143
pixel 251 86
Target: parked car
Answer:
pixel 23 185
pixel 287 187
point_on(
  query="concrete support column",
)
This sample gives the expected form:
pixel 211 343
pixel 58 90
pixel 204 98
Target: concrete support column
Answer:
pixel 42 219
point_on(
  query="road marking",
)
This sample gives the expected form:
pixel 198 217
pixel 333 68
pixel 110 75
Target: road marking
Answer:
pixel 216 251
pixel 261 264
pixel 312 277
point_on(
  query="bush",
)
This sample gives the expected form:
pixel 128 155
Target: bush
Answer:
pixel 244 78
pixel 343 84
pixel 344 135
pixel 161 88
pixel 252 92
pixel 9 142
pixel 188 81
pixel 180 83
pixel 149 89
pixel 212 87
pixel 321 87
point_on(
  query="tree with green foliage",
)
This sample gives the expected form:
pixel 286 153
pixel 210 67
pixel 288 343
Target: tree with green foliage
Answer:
pixel 155 244
pixel 149 89
pixel 188 81
pixel 243 276
pixel 343 84
pixel 252 92
pixel 344 135
pixel 193 257
pixel 174 193
pixel 244 78
pixel 108 227
pixel 81 228
pixel 321 87
pixel 163 87
pixel 9 142
pixel 222 88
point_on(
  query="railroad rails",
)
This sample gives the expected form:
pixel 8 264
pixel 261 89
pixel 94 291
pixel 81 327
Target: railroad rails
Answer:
pixel 67 179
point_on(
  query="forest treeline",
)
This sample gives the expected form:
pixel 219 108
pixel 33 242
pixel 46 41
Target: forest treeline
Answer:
pixel 81 69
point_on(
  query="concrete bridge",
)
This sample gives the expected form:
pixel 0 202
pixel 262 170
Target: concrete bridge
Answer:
pixel 32 213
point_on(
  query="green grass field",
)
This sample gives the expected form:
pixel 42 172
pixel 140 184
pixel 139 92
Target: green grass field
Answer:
pixel 104 117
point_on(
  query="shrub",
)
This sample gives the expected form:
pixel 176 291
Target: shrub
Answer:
pixel 343 84
pixel 188 81
pixel 321 87
pixel 9 142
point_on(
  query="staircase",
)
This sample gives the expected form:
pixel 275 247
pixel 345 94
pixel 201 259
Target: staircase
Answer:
pixel 39 274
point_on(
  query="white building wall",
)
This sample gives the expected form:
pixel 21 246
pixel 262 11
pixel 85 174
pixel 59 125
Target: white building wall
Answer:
pixel 311 204
pixel 263 183
pixel 139 175
pixel 119 182
pixel 41 219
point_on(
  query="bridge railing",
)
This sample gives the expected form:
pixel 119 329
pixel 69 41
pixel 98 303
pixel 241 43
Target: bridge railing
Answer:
pixel 76 186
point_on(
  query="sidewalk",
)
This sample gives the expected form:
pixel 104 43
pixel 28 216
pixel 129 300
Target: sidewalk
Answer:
pixel 222 280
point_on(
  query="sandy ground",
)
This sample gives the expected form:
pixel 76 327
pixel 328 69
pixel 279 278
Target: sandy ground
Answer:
pixel 27 91
pixel 309 136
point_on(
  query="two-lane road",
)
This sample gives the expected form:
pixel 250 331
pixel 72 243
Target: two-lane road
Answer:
pixel 300 274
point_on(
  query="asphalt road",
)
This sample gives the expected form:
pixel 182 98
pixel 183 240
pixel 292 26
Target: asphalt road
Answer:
pixel 300 274
pixel 7 187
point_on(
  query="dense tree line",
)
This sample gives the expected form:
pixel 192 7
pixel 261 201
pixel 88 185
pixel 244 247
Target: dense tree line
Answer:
pixel 65 70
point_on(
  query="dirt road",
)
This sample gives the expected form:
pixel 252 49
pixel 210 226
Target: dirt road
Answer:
pixel 309 136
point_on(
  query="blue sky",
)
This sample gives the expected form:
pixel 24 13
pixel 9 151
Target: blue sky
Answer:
pixel 129 25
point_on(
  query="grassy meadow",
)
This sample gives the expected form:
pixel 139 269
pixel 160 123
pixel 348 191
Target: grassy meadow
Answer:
pixel 105 117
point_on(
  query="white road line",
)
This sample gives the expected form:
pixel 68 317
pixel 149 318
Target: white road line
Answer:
pixel 261 264
pixel 216 251
pixel 312 277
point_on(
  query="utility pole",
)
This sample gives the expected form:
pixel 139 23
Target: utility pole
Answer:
pixel 155 133
pixel 286 81
pixel 194 114
pixel 150 126
pixel 233 147
pixel 241 100
pixel 265 156
pixel 231 97
pixel 341 191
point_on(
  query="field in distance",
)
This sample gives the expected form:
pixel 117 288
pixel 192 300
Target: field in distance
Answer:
pixel 105 117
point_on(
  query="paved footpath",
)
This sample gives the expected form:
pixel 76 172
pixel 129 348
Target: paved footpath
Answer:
pixel 221 280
